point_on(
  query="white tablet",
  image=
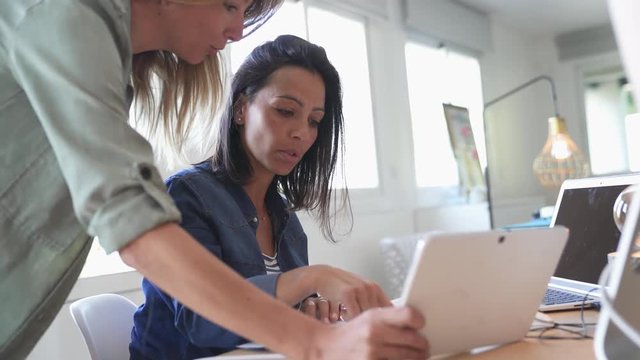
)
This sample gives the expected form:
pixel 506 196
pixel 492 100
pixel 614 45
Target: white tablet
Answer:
pixel 477 289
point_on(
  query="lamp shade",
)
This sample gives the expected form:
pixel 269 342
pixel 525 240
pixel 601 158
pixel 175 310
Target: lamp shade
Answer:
pixel 560 157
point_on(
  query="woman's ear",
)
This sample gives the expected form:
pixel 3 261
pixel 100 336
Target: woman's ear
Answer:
pixel 239 110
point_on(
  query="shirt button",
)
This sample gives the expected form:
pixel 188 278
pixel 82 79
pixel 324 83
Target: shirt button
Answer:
pixel 145 172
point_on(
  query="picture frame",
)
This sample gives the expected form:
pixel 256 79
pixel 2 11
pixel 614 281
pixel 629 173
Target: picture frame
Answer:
pixel 464 150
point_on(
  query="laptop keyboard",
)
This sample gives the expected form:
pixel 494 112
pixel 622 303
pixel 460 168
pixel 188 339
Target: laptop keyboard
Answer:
pixel 554 296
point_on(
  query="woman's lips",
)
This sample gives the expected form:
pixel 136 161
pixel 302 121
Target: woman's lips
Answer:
pixel 289 156
pixel 213 51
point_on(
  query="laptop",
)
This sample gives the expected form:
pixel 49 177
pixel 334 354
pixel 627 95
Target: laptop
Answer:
pixel 585 207
pixel 479 289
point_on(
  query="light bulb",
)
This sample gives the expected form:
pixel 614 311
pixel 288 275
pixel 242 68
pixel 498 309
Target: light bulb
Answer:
pixel 621 207
pixel 560 147
pixel 560 157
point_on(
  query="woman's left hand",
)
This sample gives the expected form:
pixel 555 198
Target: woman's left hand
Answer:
pixel 321 309
pixel 348 292
pixel 354 293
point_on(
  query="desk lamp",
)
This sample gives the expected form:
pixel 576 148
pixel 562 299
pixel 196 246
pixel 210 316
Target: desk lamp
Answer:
pixel 560 157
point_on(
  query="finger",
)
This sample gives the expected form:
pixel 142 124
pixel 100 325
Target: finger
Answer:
pixel 402 317
pixel 322 306
pixel 404 341
pixel 309 307
pixel 364 296
pixel 351 306
pixel 381 298
pixel 399 352
pixel 334 311
pixel 375 295
pixel 402 337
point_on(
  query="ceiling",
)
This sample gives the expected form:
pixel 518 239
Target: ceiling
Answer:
pixel 544 17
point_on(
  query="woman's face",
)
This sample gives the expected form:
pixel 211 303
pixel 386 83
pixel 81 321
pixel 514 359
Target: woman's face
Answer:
pixel 281 123
pixel 199 30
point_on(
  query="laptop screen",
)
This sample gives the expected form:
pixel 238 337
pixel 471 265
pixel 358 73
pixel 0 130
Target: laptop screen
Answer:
pixel 588 214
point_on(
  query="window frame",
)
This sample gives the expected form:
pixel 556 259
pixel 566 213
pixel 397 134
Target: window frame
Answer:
pixel 433 196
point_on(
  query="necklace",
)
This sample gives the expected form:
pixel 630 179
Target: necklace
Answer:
pixel 264 216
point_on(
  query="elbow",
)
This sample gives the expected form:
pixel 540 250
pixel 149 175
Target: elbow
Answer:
pixel 130 254
pixel 139 252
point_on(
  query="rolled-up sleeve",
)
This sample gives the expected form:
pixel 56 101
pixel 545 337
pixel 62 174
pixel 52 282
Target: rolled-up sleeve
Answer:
pixel 73 64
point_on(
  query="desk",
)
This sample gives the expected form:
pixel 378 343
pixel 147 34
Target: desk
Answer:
pixel 529 348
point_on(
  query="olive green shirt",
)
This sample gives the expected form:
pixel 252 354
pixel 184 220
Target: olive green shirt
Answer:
pixel 70 165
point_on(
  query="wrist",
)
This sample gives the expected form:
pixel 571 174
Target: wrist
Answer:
pixel 296 285
pixel 311 344
pixel 305 338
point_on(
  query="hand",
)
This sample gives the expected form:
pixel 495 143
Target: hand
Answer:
pixel 354 293
pixel 384 333
pixel 321 309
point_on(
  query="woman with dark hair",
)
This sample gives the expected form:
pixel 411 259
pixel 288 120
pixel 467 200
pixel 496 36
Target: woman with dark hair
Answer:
pixel 276 152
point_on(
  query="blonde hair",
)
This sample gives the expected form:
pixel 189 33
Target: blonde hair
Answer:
pixel 169 92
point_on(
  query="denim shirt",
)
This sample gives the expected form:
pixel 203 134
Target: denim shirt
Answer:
pixel 220 215
pixel 70 165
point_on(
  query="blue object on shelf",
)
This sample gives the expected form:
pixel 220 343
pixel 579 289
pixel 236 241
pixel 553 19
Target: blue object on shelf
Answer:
pixel 535 223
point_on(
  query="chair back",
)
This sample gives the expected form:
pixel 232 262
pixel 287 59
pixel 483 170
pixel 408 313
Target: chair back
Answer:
pixel 105 321
pixel 397 254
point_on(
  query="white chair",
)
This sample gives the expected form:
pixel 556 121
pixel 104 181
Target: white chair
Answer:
pixel 397 254
pixel 105 321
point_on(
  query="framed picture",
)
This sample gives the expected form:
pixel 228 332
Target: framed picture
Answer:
pixel 464 149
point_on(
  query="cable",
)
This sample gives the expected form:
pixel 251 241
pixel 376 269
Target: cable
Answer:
pixel 580 333
pixel 607 303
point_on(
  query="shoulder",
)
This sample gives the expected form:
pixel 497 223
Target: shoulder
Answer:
pixel 109 10
pixel 197 176
pixel 94 22
pixel 201 183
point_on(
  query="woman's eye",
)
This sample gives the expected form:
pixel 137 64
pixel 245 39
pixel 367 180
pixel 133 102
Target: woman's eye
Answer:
pixel 230 7
pixel 285 112
pixel 314 123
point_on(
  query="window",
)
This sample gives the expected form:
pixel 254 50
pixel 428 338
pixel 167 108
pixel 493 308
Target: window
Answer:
pixel 99 263
pixel 608 100
pixel 436 76
pixel 346 45
pixel 345 42
pixel 289 19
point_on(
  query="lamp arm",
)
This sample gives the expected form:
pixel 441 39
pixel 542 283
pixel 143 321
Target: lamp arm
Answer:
pixel 515 90
pixel 487 105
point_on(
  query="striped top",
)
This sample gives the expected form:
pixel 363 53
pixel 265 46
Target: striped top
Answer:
pixel 271 263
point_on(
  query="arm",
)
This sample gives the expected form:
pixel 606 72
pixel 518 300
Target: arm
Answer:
pixel 169 257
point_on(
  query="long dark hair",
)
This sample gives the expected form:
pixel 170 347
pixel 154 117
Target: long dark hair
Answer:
pixel 308 185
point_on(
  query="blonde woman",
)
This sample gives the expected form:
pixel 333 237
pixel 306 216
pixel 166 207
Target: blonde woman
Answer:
pixel 73 168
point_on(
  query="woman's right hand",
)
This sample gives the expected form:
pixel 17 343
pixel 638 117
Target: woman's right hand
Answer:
pixel 383 333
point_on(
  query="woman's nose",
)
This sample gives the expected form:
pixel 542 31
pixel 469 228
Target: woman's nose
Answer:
pixel 235 29
pixel 301 131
